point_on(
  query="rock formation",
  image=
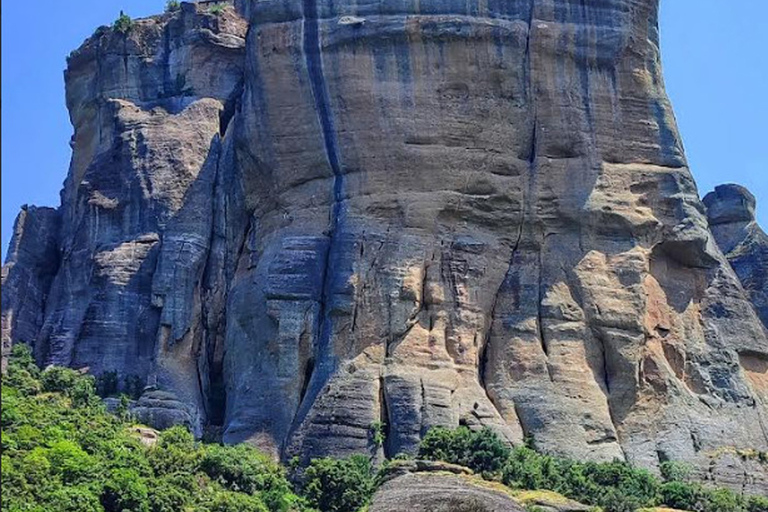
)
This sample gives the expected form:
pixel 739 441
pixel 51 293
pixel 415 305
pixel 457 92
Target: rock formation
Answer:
pixel 300 219
pixel 439 488
pixel 731 213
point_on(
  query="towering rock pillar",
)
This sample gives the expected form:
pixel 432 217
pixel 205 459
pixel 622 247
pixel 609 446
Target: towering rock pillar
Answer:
pixel 731 211
pixel 361 218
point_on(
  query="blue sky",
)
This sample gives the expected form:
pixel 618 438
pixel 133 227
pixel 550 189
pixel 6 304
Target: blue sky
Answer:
pixel 715 56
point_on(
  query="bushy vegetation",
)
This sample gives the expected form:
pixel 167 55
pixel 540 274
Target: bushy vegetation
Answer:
pixel 482 452
pixel 172 6
pixel 217 9
pixel 123 23
pixel 62 451
pixel 615 486
pixel 333 485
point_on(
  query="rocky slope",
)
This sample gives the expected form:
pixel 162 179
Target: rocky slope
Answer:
pixel 298 219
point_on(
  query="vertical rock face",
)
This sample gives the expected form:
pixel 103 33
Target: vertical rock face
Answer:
pixel 731 212
pixel 401 213
pixel 30 266
pixel 148 108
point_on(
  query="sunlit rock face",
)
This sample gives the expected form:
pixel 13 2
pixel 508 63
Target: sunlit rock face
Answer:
pixel 402 213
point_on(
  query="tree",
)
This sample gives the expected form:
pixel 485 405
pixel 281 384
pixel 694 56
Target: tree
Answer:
pixel 333 485
pixel 123 24
pixel 125 490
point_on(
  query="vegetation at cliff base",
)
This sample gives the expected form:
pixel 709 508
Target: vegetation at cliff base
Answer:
pixel 63 452
pixel 615 486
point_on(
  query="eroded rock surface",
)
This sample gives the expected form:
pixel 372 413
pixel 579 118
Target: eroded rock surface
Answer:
pixel 31 264
pixel 420 487
pixel 731 212
pixel 333 216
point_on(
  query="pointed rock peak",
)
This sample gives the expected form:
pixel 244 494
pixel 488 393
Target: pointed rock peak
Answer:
pixel 730 203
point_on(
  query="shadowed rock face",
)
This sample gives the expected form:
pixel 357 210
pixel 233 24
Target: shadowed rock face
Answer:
pixel 731 212
pixel 414 213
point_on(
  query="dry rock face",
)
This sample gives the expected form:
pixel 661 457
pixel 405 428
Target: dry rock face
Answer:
pixel 435 487
pixel 299 218
pixel 731 212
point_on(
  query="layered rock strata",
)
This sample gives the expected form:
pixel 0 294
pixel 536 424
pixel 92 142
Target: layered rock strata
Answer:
pixel 343 217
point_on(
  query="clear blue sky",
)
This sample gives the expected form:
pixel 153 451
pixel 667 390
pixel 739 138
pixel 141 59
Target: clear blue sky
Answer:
pixel 715 56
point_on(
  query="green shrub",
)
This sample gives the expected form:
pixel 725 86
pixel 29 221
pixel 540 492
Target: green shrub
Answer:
pixel 631 482
pixel 36 467
pixel 724 500
pixel 525 469
pixel 225 501
pixel 125 490
pixel 757 504
pixel 63 451
pixel 166 495
pixel 377 432
pixel 172 6
pixel 71 462
pixel 57 379
pixel 616 501
pixel 123 23
pixel 22 372
pixel 216 9
pixel 672 471
pixel 175 452
pixel 107 384
pixel 242 468
pixel 482 451
pixel 333 485
pixel 74 499
pixel 683 496
pixel 134 386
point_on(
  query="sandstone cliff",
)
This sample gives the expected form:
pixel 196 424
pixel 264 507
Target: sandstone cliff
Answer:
pixel 297 219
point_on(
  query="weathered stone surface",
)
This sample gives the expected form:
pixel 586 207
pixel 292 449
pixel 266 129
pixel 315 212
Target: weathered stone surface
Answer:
pixel 149 108
pixel 29 269
pixel 439 489
pixel 548 501
pixel 409 214
pixel 731 212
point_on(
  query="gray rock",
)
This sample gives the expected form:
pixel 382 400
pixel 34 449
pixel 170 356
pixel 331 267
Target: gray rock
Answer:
pixel 29 269
pixel 438 488
pixel 731 212
pixel 301 228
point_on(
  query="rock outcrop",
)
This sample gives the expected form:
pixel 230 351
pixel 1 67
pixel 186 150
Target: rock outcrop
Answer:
pixel 731 212
pixel 417 488
pixel 335 215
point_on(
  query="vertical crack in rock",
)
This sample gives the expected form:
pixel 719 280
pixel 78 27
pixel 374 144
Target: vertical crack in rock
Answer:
pixel 524 212
pixel 606 384
pixel 384 419
pixel 539 319
pixel 423 411
pixel 314 63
